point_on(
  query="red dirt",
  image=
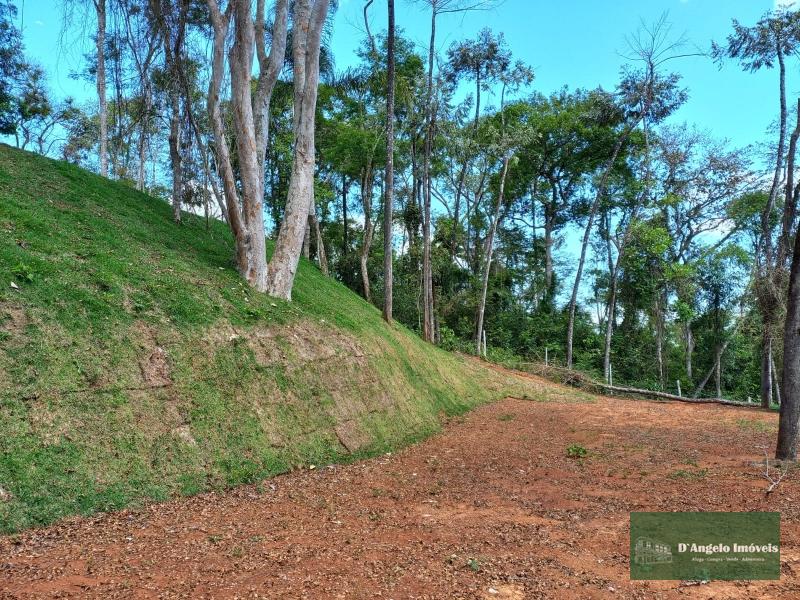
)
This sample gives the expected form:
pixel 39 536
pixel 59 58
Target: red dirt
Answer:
pixel 491 508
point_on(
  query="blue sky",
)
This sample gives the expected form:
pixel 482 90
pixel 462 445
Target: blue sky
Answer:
pixel 576 43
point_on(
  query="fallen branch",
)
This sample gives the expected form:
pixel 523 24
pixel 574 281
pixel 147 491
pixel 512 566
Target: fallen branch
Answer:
pixel 773 482
pixel 581 380
pixel 627 390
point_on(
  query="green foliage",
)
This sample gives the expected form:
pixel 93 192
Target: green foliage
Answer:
pixel 23 272
pixel 11 64
pixel 577 451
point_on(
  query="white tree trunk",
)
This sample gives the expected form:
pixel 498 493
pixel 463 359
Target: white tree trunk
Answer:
pixel 250 121
pixel 307 34
pixel 388 201
pixel 100 8
pixel 488 262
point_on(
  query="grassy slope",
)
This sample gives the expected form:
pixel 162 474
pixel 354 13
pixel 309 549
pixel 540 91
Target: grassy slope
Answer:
pixel 134 364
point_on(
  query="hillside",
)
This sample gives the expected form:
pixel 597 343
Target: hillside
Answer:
pixel 135 364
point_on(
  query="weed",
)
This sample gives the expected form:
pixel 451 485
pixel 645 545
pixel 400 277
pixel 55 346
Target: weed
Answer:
pixel 577 451
pixel 687 474
pixel 23 272
pixel 756 425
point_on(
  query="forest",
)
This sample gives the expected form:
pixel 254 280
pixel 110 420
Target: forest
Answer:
pixel 440 185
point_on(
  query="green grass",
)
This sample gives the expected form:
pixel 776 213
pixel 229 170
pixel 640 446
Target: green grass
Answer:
pixel 255 386
pixel 756 426
pixel 688 474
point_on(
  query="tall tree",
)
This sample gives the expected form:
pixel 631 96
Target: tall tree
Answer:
pixel 250 120
pixel 388 202
pixel 774 38
pixel 308 20
pixel 644 94
pixel 100 47
pixel 170 23
pixel 11 65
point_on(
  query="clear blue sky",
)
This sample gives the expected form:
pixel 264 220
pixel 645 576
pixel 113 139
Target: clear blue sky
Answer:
pixel 575 43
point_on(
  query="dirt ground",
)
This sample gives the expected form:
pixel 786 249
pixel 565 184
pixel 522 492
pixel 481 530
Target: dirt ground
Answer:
pixel 491 508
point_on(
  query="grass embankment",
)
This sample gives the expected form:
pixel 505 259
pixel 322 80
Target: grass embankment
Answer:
pixel 135 364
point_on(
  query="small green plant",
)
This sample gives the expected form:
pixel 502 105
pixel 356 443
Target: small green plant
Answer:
pixel 689 475
pixel 23 272
pixel 577 451
pixel 756 425
pixel 506 417
pixel 474 564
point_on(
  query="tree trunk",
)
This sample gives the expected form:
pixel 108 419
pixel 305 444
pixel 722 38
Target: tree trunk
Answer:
pixel 221 26
pixel 766 215
pixel 307 34
pixel 100 8
pixel 717 357
pixel 250 122
pixel 610 321
pixel 175 155
pixel 142 167
pixel 345 241
pixel 488 261
pixel 369 228
pixel 173 57
pixel 776 385
pixel 549 225
pixel 658 313
pixel 322 257
pixel 307 238
pixel 689 337
pixel 790 199
pixel 767 291
pixel 427 276
pixel 388 199
pixel 790 406
pixel 601 188
pixel 766 369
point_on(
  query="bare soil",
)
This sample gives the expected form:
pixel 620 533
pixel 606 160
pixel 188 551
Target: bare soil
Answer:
pixel 491 508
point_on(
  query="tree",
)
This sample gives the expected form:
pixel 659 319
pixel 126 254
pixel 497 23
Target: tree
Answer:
pixel 789 422
pixel 508 138
pixel 306 40
pixel 388 202
pixel 250 120
pixel 438 7
pixel 170 23
pixel 38 116
pixel 644 94
pixel 11 63
pixel 100 45
pixel 771 40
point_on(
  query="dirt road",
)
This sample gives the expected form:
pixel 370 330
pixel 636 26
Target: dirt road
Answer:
pixel 491 508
